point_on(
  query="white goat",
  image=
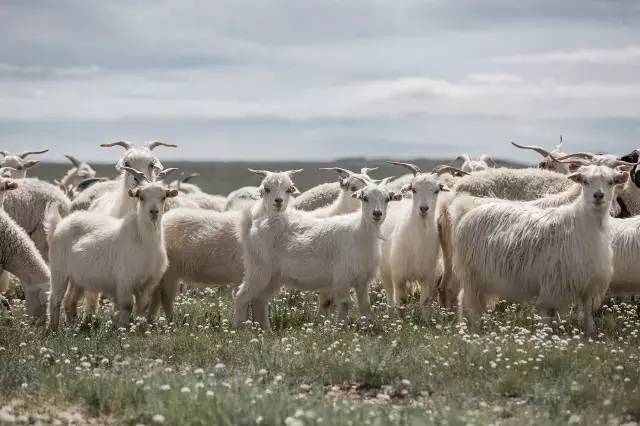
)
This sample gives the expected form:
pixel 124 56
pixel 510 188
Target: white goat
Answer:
pixel 520 252
pixel 297 250
pixel 204 246
pixel 20 257
pixel 411 249
pixel 467 164
pixel 19 162
pixel 122 257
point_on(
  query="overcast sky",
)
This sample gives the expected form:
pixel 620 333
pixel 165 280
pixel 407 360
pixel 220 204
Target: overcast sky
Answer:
pixel 298 79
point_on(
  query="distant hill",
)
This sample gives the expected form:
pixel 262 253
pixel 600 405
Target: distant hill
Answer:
pixel 223 177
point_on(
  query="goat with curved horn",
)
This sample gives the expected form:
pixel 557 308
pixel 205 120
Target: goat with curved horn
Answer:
pixel 140 177
pixel 25 154
pixel 535 148
pixel 125 144
pixel 153 144
pixel 414 169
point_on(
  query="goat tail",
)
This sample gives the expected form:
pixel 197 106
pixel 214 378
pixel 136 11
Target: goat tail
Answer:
pixel 52 218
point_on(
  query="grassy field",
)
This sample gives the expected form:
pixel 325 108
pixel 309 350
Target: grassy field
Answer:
pixel 415 366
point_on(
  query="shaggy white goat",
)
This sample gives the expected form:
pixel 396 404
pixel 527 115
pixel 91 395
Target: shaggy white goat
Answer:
pixel 20 257
pixel 121 257
pixel 411 249
pixel 521 252
pixel 19 162
pixel 296 250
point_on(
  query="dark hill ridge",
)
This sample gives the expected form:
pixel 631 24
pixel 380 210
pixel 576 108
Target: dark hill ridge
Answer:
pixel 218 177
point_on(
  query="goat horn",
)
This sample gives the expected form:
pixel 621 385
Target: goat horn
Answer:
pixel 263 173
pixel 366 170
pixel 535 148
pixel 27 153
pixel 414 169
pixel 339 170
pixel 191 176
pixel 440 170
pixel 73 160
pixel 581 162
pixel 293 172
pixel 136 174
pixel 584 155
pixel 162 175
pixel 153 144
pixel 125 144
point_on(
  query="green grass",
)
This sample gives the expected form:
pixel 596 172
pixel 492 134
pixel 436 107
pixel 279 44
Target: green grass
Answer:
pixel 398 368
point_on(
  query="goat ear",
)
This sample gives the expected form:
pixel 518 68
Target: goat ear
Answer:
pixel 133 193
pixel 576 177
pixel 444 188
pixel 30 163
pixel 395 197
pixel 172 193
pixel 621 178
pixel 405 188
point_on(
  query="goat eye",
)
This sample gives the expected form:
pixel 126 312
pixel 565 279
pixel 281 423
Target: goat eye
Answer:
pixel 267 190
pixel 413 190
pixel 387 200
pixel 365 199
pixel 291 190
pixel 436 191
pixel 353 189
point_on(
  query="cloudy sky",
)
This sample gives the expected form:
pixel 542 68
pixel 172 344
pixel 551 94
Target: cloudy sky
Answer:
pixel 299 79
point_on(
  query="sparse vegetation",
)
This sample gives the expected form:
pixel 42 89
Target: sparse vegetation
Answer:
pixel 410 367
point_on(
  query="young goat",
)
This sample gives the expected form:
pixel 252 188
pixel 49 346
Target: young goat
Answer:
pixel 521 252
pixel 121 257
pixel 410 250
pixel 294 249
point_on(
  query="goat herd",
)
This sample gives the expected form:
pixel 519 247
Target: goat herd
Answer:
pixel 565 233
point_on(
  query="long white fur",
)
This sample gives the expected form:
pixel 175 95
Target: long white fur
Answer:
pixel 522 252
